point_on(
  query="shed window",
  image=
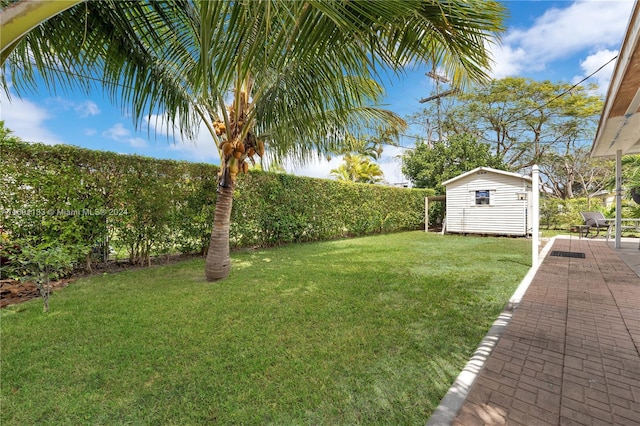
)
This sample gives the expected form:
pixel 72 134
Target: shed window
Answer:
pixel 483 197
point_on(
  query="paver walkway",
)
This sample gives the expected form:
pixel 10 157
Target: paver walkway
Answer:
pixel 571 353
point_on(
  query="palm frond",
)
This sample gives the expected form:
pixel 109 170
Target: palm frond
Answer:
pixel 311 65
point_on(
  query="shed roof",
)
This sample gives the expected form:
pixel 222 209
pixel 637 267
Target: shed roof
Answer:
pixel 619 126
pixel 486 169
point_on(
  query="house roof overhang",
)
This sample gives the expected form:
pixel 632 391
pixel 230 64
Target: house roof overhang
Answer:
pixel 485 169
pixel 619 126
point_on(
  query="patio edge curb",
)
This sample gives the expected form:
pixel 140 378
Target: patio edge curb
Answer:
pixel 452 402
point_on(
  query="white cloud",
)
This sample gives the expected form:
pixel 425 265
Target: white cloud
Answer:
pixel 391 164
pixel 202 148
pixel 592 63
pixel 119 133
pixel 562 32
pixel 90 132
pixel 137 142
pixel 27 120
pixel 508 61
pixel 86 109
pixel 318 167
pixel 116 132
pixel 583 25
pixel 82 109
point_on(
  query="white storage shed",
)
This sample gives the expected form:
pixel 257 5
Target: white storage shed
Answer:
pixel 488 201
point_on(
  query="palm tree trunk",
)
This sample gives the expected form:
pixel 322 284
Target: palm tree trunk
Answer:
pixel 218 263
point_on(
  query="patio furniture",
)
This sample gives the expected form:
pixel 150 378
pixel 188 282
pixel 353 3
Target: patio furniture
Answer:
pixel 581 230
pixel 598 221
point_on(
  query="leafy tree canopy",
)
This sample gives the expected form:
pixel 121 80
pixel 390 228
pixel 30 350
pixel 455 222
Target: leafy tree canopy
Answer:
pixel 528 122
pixel 427 166
pixel 524 119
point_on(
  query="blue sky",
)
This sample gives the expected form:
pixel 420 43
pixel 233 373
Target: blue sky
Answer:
pixel 545 40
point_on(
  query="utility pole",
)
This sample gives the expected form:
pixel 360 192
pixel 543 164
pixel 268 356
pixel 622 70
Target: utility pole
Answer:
pixel 438 96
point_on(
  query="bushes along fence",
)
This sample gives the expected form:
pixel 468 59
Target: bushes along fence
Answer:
pixel 85 199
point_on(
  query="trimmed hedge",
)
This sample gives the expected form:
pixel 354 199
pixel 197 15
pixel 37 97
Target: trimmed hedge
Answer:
pixel 272 209
pixel 84 199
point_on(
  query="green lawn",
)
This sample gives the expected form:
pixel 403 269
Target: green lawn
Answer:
pixel 363 331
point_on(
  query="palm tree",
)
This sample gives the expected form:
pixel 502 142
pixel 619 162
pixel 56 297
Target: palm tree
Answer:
pixel 359 155
pixel 358 168
pixel 292 76
pixel 370 147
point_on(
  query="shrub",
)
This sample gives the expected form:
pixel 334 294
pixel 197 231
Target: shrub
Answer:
pixel 40 264
pixel 83 199
pixel 563 214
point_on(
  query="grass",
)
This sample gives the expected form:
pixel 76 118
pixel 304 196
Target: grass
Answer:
pixel 549 233
pixel 363 331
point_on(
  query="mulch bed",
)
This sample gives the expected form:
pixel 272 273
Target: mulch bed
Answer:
pixel 13 292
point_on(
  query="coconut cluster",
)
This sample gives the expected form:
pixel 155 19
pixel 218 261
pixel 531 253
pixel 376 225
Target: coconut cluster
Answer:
pixel 236 151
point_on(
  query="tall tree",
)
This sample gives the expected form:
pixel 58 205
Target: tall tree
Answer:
pixel 524 119
pixel 529 122
pixel 630 172
pixel 631 164
pixel 294 76
pixel 569 171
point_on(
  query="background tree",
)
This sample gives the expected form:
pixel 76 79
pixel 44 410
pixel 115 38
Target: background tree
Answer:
pixel 569 171
pixel 429 120
pixel 528 122
pixel 358 168
pixel 631 170
pixel 381 136
pixel 632 164
pixel 524 119
pixel 427 166
pixel 299 74
pixel 360 155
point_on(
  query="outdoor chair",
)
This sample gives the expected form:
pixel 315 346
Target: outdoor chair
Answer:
pixel 598 221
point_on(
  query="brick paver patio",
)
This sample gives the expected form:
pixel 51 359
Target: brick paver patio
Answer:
pixel 571 353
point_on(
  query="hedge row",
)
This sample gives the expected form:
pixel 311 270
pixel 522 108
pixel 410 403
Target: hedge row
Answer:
pixel 84 199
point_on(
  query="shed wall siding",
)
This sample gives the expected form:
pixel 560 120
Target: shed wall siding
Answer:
pixel 506 214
